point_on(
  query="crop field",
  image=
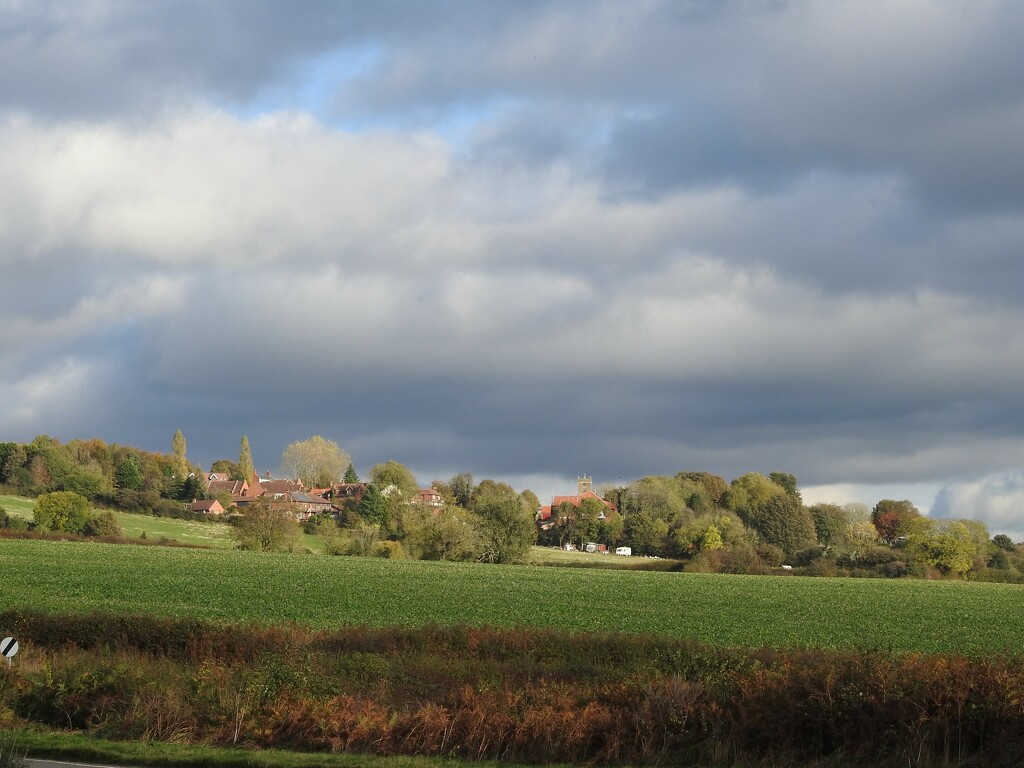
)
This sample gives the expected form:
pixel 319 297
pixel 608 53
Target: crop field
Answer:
pixel 326 592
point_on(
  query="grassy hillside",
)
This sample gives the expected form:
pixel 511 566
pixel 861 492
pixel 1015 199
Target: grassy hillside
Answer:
pixel 201 533
pixel 330 592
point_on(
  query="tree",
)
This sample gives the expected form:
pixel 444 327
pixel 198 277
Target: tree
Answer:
pixel 830 524
pixel 350 474
pixel 192 488
pixel 373 507
pixel 316 462
pixel 788 483
pixel 178 449
pixel 392 478
pixel 266 528
pixel 950 546
pixel 229 468
pixel 895 520
pixel 783 522
pixel 861 536
pixel 129 473
pixel 63 511
pixel 245 466
pixel 714 486
pixel 1002 541
pixel 507 529
pixel 462 489
pixel 448 534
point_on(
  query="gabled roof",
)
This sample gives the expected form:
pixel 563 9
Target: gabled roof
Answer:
pixel 281 486
pixel 234 487
pixel 206 505
pixel 577 500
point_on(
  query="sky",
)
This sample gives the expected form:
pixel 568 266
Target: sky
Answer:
pixel 527 240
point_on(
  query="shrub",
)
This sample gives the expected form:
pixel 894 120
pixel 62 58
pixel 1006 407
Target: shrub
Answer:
pixel 61 511
pixel 389 550
pixel 103 524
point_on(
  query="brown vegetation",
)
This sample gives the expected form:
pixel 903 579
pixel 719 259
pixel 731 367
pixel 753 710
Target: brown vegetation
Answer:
pixel 518 695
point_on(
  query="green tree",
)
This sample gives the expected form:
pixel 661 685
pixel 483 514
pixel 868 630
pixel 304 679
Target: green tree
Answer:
pixel 373 507
pixel 715 487
pixel 350 474
pixel 785 523
pixel 830 524
pixel 128 474
pixel 245 467
pixel 1004 542
pixel 506 528
pixel 178 447
pixel 447 534
pixel 266 528
pixel 317 462
pixel 462 489
pixel 788 483
pixel 63 511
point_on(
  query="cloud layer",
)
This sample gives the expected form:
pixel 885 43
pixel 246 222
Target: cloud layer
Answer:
pixel 537 240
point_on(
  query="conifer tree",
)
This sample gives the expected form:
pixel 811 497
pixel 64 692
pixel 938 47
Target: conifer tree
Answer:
pixel 180 462
pixel 245 460
pixel 350 474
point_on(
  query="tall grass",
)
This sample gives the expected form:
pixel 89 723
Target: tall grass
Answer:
pixel 523 695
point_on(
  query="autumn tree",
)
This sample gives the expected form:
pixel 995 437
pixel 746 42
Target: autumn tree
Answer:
pixel 895 520
pixel 245 467
pixel 316 462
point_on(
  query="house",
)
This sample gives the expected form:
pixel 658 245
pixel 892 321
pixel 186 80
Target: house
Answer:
pixel 280 488
pixel 347 494
pixel 206 507
pixel 305 505
pixel 242 493
pixel 429 497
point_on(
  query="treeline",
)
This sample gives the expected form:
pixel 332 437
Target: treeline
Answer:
pixel 105 474
pixel 758 523
pixel 701 522
pixel 515 695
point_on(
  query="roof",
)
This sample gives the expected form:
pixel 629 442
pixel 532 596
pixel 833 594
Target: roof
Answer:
pixel 577 500
pixel 206 505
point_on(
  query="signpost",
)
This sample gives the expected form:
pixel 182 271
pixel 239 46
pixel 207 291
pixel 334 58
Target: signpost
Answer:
pixel 9 647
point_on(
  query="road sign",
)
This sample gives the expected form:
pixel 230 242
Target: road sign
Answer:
pixel 8 647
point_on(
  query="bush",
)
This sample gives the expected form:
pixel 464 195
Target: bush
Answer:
pixel 103 524
pixel 61 511
pixel 389 550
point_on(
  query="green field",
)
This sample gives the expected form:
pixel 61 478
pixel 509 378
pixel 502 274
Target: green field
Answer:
pixel 199 533
pixel 328 592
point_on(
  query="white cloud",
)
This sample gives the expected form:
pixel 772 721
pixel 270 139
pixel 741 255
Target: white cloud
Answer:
pixel 996 499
